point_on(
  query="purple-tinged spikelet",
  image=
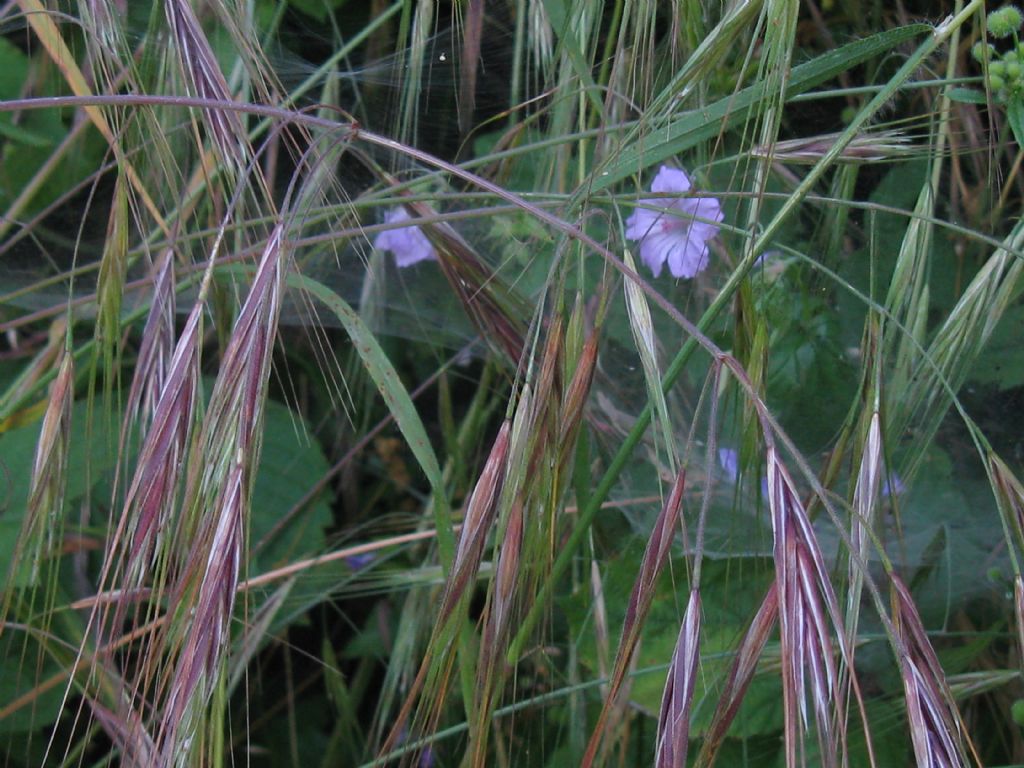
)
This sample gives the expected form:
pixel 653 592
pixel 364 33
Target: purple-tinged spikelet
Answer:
pixel 807 605
pixel 205 80
pixel 653 563
pixel 934 721
pixel 674 719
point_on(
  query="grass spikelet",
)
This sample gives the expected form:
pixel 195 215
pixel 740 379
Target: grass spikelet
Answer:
pixel 110 283
pixel 865 496
pixel 742 672
pixel 642 326
pixel 42 23
pixel 869 146
pixel 477 524
pixel 807 602
pixel 44 516
pixel 935 723
pixel 137 748
pixel 209 591
pixel 653 563
pixel 217 503
pixel 930 383
pixel 154 362
pixel 152 495
pixel 436 667
pixel 1009 494
pixel 472 32
pixel 577 392
pixel 494 308
pixel 495 635
pixel 202 74
pixel 674 719
pixel 18 403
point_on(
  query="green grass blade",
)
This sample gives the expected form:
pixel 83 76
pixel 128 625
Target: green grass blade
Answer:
pixel 396 396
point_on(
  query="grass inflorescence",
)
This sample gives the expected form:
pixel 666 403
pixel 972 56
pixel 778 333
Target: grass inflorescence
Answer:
pixel 511 383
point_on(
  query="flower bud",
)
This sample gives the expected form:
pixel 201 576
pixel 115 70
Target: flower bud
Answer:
pixel 1004 22
pixel 981 51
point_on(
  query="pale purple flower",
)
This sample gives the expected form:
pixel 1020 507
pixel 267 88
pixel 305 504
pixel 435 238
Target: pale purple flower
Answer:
pixel 729 461
pixel 674 230
pixel 893 486
pixel 360 561
pixel 408 244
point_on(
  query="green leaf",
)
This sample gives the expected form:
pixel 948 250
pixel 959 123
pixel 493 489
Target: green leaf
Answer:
pixel 1015 117
pixel 1002 361
pixel 21 135
pixel 967 95
pixel 13 71
pixel 23 665
pixel 291 463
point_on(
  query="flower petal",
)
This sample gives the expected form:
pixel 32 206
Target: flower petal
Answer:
pixel 704 209
pixel 408 244
pixel 670 180
pixel 688 257
pixel 643 222
pixel 656 249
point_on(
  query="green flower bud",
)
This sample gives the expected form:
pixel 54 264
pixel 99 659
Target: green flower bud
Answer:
pixel 996 83
pixel 1013 71
pixel 981 51
pixel 997 69
pixel 1017 711
pixel 1004 22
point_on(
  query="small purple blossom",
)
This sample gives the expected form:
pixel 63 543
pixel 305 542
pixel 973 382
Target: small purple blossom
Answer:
pixel 360 561
pixel 408 244
pixel 893 486
pixel 674 230
pixel 729 461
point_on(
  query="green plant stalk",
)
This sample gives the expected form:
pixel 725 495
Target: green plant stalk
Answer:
pixel 675 368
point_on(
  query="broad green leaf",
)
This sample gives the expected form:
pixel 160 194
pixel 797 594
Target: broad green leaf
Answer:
pixel 1002 361
pixel 23 665
pixel 291 463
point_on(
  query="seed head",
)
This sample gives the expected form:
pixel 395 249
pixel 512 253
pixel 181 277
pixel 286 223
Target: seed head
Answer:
pixel 1005 22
